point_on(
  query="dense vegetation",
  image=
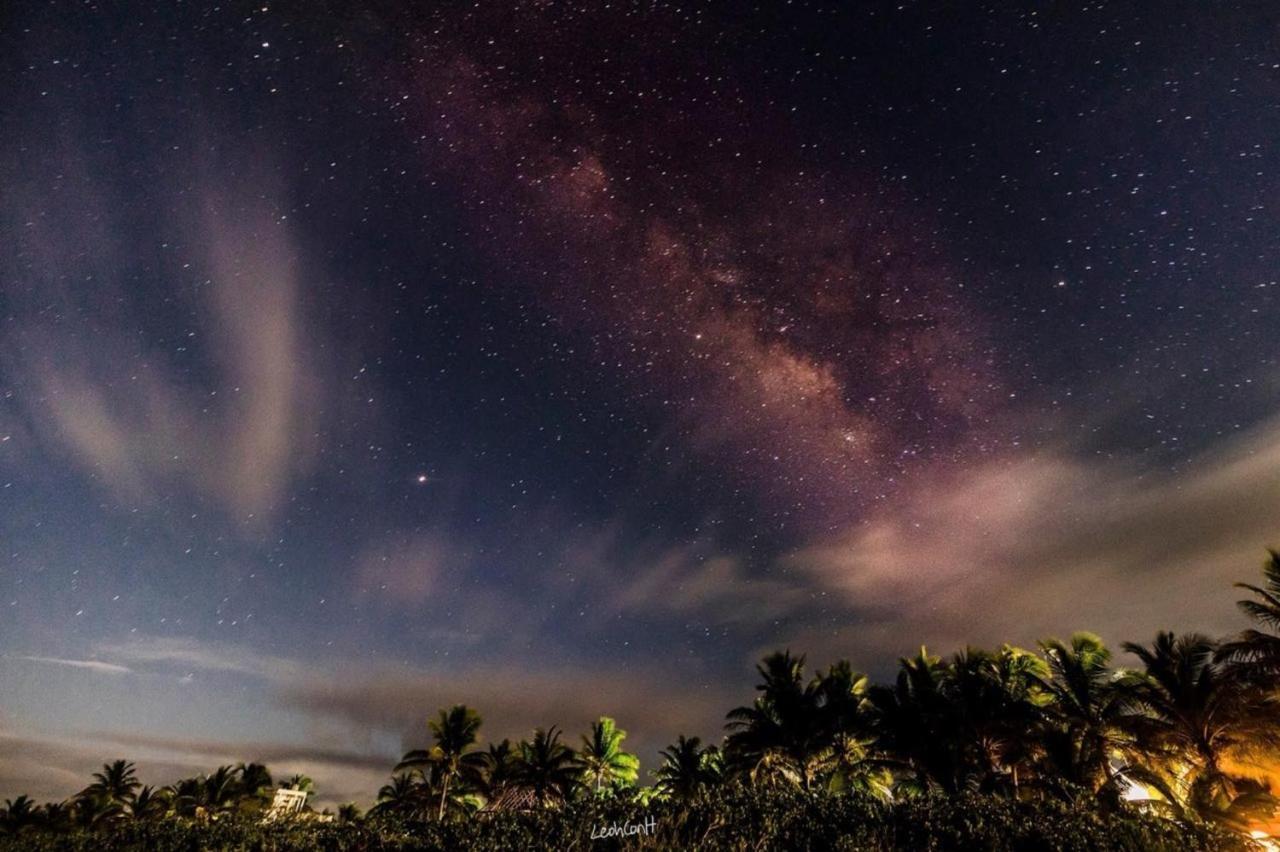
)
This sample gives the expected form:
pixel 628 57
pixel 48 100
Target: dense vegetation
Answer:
pixel 990 749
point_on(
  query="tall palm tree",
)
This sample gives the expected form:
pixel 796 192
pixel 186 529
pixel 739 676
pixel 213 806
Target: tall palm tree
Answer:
pixel 497 769
pixel 150 803
pixel 779 737
pixel 846 760
pixel 547 767
pixel 56 816
pixel 455 731
pixel 910 718
pixel 255 785
pixel 1085 714
pixel 687 768
pixel 1192 717
pixel 403 795
pixel 221 789
pixel 115 784
pixel 602 758
pixel 18 815
pixel 187 795
pixel 1255 654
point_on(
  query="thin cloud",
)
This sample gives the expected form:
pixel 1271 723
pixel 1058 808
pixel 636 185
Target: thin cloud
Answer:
pixel 1046 543
pixel 89 665
pixel 188 653
pixel 125 409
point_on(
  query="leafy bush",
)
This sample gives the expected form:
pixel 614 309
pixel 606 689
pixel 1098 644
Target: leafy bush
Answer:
pixel 733 818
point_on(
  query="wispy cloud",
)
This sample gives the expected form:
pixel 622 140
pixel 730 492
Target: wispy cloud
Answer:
pixel 192 654
pixel 219 399
pixel 89 665
pixel 1048 542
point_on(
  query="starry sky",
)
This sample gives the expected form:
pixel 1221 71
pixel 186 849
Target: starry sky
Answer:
pixel 562 359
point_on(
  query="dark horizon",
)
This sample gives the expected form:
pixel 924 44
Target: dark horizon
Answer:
pixel 563 362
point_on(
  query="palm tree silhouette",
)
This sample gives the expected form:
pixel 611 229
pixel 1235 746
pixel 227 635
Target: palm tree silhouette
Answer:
pixel 497 769
pixel 687 768
pixel 221 790
pixel 255 785
pixel 780 736
pixel 115 784
pixel 602 758
pixel 546 766
pixel 1085 715
pixel 403 795
pixel 1255 654
pixel 1191 717
pixel 18 815
pixel 455 731
pixel 150 803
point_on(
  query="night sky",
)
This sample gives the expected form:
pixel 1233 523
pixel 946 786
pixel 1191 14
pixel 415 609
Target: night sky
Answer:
pixel 563 359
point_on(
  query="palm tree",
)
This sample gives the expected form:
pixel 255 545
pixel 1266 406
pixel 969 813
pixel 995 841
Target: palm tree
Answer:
pixel 18 815
pixel 455 731
pixel 1255 654
pixel 1192 718
pixel 56 816
pixel 221 789
pixel 299 782
pixel 687 768
pixel 348 813
pixel 602 759
pixel 844 711
pixel 115 784
pixel 150 803
pixel 497 770
pixel 187 796
pixel 781 735
pixel 909 718
pixel 403 795
pixel 1085 714
pixel 546 766
pixel 1001 711
pixel 255 785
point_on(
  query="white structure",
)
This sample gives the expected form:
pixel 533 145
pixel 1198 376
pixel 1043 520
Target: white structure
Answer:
pixel 286 803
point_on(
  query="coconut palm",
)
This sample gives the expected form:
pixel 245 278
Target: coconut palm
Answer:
pixel 403 795
pixel 455 731
pixel 999 707
pixel 255 785
pixel 687 768
pixel 602 759
pixel 546 767
pixel 150 803
pixel 187 796
pixel 1255 654
pixel 18 815
pixel 497 769
pixel 781 736
pixel 1085 715
pixel 56 816
pixel 221 789
pixel 1192 719
pixel 115 784
pixel 910 719
pixel 349 813
pixel 846 760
